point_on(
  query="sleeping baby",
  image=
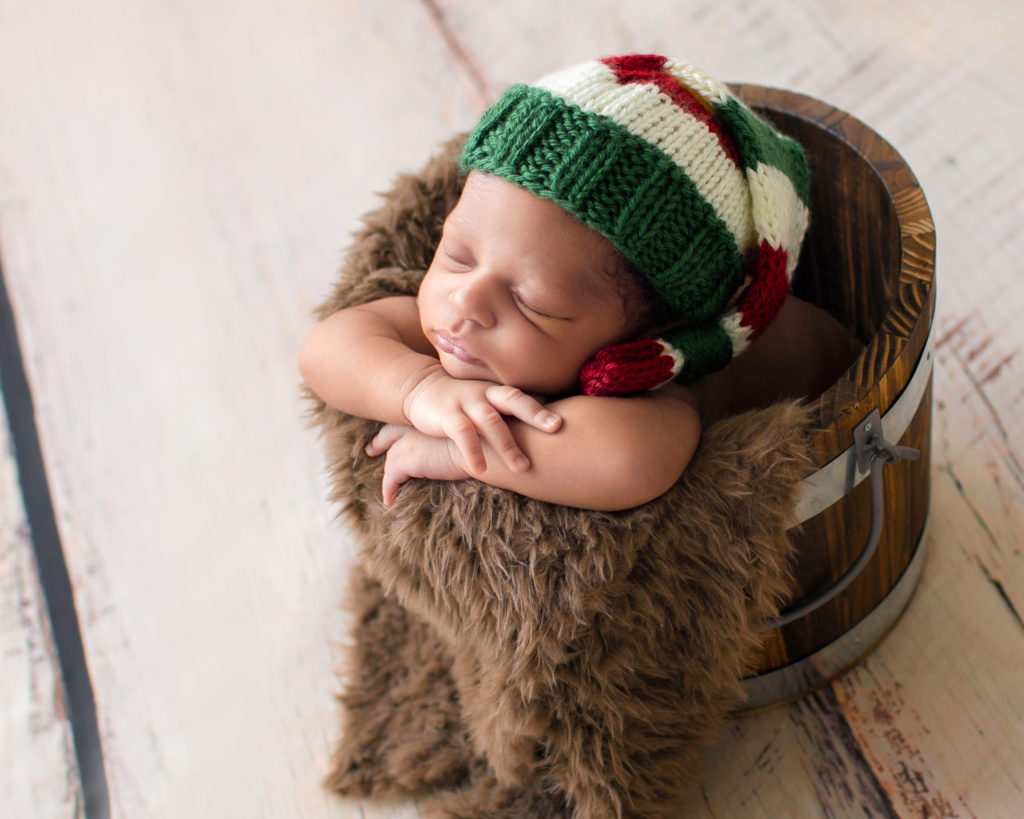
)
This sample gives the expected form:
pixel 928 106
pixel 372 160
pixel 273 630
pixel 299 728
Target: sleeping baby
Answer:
pixel 616 269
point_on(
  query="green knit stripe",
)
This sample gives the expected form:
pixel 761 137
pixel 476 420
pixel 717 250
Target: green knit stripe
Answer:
pixel 758 142
pixel 705 348
pixel 618 184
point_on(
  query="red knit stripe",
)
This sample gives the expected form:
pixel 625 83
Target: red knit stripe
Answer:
pixel 624 368
pixel 649 68
pixel 767 291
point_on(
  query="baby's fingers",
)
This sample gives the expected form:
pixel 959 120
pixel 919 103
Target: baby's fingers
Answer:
pixel 466 437
pixel 394 476
pixel 385 439
pixel 513 401
pixel 494 429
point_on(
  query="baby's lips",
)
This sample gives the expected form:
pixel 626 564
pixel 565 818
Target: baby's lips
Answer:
pixel 453 346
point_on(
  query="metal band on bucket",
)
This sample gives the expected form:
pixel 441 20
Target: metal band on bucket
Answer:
pixel 840 475
pixel 782 685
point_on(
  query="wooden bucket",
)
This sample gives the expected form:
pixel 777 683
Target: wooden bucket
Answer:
pixel 869 260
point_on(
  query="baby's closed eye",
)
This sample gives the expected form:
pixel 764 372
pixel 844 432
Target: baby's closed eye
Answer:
pixel 541 309
pixel 461 260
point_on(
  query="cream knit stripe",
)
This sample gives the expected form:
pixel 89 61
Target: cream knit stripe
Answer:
pixel 779 215
pixel 678 359
pixel 730 322
pixel 706 87
pixel 652 116
pixel 783 222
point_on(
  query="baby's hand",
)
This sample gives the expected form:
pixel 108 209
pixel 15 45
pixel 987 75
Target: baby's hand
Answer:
pixel 412 454
pixel 467 411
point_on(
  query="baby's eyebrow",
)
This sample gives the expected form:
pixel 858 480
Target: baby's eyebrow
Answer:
pixel 455 240
pixel 460 222
pixel 559 300
pixel 450 227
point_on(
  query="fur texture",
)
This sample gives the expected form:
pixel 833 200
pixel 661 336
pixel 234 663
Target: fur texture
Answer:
pixel 514 658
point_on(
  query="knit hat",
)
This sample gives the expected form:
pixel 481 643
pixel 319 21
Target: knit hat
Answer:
pixel 704 198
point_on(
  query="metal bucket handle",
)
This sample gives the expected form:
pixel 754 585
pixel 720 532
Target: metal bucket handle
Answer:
pixel 873 452
pixel 870 452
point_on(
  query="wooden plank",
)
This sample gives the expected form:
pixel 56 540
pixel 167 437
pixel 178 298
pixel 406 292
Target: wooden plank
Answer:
pixel 177 182
pixel 39 777
pixel 940 707
pixel 800 761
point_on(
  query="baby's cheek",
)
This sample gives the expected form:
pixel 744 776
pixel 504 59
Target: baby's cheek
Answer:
pixel 559 375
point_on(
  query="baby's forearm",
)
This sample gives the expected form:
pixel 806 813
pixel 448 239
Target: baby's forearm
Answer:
pixel 610 454
pixel 375 362
pixel 356 361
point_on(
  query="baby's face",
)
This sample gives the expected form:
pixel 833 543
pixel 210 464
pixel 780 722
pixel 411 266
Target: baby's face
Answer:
pixel 519 292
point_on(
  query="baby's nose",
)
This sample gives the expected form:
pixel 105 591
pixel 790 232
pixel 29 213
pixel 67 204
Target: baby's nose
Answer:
pixel 475 299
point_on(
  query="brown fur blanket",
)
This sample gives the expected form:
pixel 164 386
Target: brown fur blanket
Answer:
pixel 513 658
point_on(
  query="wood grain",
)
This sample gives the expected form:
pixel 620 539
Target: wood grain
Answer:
pixel 176 182
pixel 38 777
pixel 176 188
pixel 869 259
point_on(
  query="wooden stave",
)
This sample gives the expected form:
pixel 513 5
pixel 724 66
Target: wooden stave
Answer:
pixel 903 327
pixel 874 381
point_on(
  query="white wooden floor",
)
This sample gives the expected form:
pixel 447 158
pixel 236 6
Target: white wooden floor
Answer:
pixel 177 181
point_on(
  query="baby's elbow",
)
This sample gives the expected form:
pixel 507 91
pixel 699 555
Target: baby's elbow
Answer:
pixel 634 477
pixel 304 360
pixel 642 471
pixel 310 362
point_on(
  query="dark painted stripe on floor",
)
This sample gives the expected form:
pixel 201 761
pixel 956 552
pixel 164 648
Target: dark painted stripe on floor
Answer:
pixel 53 571
pixel 847 785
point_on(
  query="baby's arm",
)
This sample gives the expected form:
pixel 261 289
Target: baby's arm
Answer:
pixel 374 361
pixel 610 454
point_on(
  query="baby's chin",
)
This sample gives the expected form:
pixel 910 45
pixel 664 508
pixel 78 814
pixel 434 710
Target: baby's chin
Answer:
pixel 457 368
